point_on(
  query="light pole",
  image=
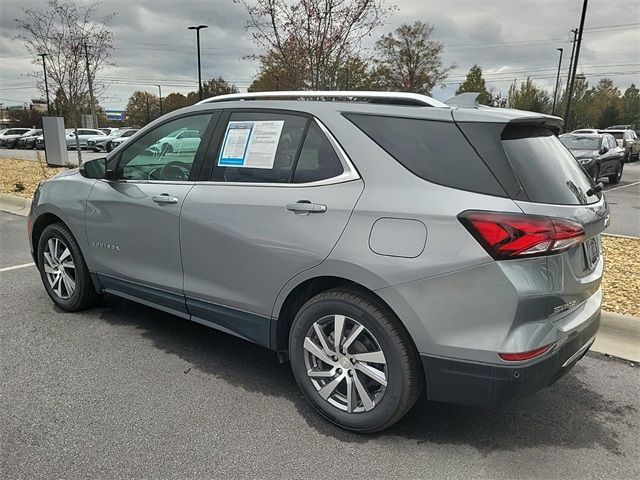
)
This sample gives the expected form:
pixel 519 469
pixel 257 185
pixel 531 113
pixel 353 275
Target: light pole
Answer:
pixel 197 29
pixel 94 117
pixel 46 84
pixel 1 115
pixel 555 93
pixel 160 97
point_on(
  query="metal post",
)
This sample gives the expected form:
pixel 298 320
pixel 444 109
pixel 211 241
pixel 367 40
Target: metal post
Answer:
pixel 575 61
pixel 555 93
pixel 573 52
pixel 46 84
pixel 197 29
pixel 160 96
pixel 94 117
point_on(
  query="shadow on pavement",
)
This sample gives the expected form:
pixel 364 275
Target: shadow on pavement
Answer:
pixel 567 414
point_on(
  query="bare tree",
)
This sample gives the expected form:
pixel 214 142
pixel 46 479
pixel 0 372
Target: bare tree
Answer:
pixel 68 34
pixel 407 60
pixel 312 40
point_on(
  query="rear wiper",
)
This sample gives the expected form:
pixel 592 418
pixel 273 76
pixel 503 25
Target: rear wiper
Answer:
pixel 597 188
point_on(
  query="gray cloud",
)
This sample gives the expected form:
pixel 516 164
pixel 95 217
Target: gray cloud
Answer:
pixel 508 39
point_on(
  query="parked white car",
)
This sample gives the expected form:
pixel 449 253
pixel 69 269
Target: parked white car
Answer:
pixel 179 141
pixel 12 133
pixel 83 135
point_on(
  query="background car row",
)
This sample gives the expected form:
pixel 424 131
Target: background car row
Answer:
pixel 94 139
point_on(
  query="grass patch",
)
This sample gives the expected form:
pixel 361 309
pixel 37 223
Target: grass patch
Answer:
pixel 621 284
pixel 21 177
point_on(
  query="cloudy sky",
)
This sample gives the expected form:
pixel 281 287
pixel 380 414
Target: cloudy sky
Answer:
pixel 507 38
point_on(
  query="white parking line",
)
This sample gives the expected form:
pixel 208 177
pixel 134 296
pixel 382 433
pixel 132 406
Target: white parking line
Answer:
pixel 16 267
pixel 621 186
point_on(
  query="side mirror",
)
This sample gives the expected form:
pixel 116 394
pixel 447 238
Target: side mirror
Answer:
pixel 96 168
pixel 604 150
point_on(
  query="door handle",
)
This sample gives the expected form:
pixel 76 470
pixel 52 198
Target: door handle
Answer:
pixel 164 199
pixel 305 207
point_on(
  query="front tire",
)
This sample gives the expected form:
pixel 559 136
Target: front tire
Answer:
pixel 617 176
pixel 63 270
pixel 354 361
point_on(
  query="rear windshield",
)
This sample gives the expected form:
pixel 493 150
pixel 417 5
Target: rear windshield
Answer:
pixel 547 171
pixel 432 150
pixel 573 142
pixel 617 135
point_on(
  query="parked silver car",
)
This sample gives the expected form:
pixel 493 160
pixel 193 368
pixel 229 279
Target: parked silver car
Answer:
pixel 384 243
pixel 628 140
pixel 99 142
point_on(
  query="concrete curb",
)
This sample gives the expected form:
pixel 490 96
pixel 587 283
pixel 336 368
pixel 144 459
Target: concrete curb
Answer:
pixel 619 336
pixel 14 204
pixel 615 235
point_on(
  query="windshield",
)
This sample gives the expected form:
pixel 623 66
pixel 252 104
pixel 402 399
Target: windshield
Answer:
pixel 580 143
pixel 118 133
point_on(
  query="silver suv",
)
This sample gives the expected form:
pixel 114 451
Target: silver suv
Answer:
pixel 386 244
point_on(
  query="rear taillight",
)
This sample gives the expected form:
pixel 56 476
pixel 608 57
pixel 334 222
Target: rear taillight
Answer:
pixel 515 235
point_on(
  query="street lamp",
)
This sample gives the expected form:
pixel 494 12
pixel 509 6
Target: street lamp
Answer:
pixel 555 93
pixel 197 29
pixel 46 84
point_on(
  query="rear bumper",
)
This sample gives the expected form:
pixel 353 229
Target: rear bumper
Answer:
pixel 473 383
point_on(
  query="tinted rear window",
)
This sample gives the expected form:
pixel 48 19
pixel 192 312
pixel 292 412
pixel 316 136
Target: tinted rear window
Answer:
pixel 547 171
pixel 434 151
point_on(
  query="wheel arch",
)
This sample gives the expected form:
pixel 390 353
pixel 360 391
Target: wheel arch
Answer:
pixel 301 293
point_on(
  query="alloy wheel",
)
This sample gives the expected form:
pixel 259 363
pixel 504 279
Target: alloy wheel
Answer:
pixel 59 268
pixel 345 363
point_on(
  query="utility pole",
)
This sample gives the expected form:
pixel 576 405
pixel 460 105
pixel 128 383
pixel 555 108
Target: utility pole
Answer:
pixel 197 29
pixel 160 96
pixel 573 51
pixel 575 62
pixel 1 115
pixel 555 93
pixel 46 84
pixel 94 117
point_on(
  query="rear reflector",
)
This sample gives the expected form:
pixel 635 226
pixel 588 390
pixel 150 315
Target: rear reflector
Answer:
pixel 521 356
pixel 515 235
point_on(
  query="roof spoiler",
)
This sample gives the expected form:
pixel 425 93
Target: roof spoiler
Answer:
pixel 546 121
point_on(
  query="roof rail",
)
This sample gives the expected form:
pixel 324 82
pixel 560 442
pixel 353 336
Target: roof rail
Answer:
pixel 389 98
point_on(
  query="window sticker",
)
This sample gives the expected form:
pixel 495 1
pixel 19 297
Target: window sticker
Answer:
pixel 251 144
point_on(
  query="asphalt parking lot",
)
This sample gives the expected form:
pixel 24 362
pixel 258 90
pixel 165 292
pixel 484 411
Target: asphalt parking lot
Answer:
pixel 123 391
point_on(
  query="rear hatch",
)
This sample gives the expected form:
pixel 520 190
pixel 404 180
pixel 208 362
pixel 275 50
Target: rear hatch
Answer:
pixel 546 182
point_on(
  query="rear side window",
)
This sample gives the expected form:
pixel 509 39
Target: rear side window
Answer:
pixel 434 151
pixel 547 171
pixel 318 160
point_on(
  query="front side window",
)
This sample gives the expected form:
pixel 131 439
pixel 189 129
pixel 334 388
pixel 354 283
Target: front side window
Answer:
pixel 259 147
pixel 164 153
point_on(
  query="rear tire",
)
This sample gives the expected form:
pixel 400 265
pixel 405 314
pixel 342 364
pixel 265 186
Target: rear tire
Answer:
pixel 617 176
pixel 373 379
pixel 63 270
